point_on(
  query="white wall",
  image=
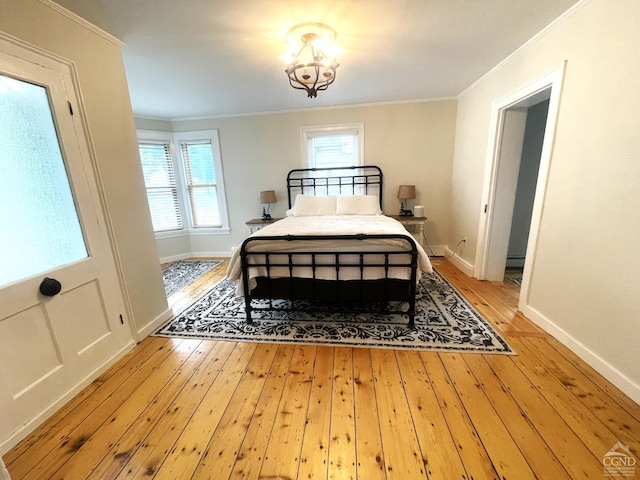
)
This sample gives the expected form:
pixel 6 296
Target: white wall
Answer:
pixel 411 142
pixel 103 85
pixel 586 270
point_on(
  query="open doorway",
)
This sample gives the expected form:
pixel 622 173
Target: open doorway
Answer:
pixel 522 130
pixel 519 162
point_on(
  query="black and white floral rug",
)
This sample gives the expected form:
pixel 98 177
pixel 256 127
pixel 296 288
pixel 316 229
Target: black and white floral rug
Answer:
pixel 444 321
pixel 183 272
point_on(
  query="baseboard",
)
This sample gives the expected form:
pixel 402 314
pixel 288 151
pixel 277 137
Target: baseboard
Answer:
pixel 225 254
pixel 182 256
pixel 10 442
pixel 435 250
pixel 608 371
pixel 175 258
pixel 459 262
pixel 515 262
pixel 155 324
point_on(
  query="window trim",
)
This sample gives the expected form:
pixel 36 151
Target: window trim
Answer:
pixel 334 129
pixel 161 137
pixel 210 136
pixel 174 139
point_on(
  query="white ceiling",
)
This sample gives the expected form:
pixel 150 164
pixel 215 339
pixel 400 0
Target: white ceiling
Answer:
pixel 204 58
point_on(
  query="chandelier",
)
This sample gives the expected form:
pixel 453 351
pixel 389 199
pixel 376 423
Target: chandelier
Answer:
pixel 311 63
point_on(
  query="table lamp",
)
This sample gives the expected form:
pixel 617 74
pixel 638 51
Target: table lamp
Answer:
pixel 406 192
pixel 267 197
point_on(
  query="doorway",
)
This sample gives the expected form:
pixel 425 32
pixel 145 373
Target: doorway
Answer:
pixel 62 308
pixel 522 130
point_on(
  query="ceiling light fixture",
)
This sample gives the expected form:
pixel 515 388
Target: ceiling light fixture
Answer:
pixel 311 63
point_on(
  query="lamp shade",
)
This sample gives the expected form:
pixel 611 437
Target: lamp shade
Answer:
pixel 268 196
pixel 406 192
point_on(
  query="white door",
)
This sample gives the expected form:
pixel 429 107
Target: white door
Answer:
pixel 51 225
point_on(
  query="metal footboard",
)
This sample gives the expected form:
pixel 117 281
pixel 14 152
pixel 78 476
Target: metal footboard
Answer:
pixel 274 272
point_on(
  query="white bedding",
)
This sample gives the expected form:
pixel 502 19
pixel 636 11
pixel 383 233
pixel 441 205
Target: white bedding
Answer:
pixel 331 225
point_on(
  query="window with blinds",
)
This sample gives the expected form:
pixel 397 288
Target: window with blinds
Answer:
pixel 160 182
pixel 333 146
pixel 202 188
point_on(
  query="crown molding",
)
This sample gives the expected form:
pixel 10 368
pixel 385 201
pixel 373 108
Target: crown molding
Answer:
pixel 299 110
pixel 82 22
pixel 526 45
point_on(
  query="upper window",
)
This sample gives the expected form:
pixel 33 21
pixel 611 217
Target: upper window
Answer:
pixel 333 145
pixel 183 177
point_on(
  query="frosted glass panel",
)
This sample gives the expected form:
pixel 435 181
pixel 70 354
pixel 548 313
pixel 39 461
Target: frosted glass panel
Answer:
pixel 39 226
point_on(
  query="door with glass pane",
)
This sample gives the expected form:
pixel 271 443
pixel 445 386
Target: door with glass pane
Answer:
pixel 62 311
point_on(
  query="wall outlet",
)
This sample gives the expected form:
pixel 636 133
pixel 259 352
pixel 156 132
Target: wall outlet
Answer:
pixel 464 240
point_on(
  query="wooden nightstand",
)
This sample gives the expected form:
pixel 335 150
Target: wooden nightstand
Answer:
pixel 256 224
pixel 413 222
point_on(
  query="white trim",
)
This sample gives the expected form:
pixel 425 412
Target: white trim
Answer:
pixel 36 421
pixel 192 232
pixel 4 475
pixel 551 79
pixel 302 110
pixel 335 129
pixel 459 262
pixel 211 136
pixel 435 251
pixel 174 139
pixel 224 254
pixel 526 45
pixel 175 258
pixel 608 371
pixel 155 324
pixel 182 256
pixel 82 22
pixel 36 55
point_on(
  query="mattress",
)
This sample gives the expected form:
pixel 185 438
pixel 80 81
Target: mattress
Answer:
pixel 318 226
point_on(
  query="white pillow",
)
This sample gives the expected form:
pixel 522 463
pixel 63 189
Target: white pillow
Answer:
pixel 310 205
pixel 358 205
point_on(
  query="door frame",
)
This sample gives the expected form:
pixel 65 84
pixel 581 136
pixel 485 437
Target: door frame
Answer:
pixel 551 79
pixel 18 48
pixel 15 47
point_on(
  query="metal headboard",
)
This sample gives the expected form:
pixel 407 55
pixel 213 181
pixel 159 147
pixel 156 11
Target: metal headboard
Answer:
pixel 364 180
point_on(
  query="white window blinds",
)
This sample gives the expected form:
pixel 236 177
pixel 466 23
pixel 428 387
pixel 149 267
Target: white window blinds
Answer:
pixel 202 188
pixel 160 182
pixel 333 149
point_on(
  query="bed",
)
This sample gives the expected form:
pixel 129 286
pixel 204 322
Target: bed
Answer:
pixel 335 247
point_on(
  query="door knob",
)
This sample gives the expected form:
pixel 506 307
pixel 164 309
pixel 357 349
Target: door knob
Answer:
pixel 50 287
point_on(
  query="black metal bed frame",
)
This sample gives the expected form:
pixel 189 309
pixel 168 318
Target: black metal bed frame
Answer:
pixel 338 293
pixel 324 181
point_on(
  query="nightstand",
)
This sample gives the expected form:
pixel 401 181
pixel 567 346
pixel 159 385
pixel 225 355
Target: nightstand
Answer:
pixel 256 224
pixel 413 222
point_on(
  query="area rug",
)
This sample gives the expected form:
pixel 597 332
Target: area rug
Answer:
pixel 183 272
pixel 517 280
pixel 444 322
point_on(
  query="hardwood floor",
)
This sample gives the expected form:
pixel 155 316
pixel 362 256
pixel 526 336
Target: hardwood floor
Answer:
pixel 175 409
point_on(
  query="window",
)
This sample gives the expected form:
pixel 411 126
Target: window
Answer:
pixel 333 145
pixel 160 182
pixel 201 184
pixel 183 177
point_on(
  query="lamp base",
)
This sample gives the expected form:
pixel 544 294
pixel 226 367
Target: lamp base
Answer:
pixel 265 215
pixel 405 213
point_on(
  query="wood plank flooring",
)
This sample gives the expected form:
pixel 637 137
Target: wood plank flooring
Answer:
pixel 190 409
